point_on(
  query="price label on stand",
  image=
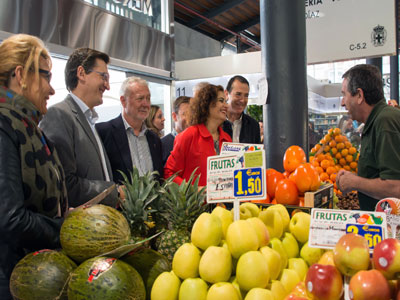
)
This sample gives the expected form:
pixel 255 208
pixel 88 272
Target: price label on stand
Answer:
pixel 373 234
pixel 248 182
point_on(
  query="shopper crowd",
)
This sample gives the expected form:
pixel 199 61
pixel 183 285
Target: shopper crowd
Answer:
pixel 57 159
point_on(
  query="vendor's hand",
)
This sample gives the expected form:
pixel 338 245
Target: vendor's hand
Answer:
pixel 346 181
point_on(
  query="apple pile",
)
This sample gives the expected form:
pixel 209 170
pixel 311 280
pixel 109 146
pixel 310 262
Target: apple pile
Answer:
pixel 264 255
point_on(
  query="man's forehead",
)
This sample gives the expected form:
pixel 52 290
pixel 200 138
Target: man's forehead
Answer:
pixel 138 88
pixel 239 85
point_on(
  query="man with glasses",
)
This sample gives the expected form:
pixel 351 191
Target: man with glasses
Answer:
pixel 126 138
pixel 241 127
pixel 70 127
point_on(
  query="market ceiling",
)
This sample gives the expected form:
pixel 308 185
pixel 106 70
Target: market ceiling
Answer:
pixel 231 21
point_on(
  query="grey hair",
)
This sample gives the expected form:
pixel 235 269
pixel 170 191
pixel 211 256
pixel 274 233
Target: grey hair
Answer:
pixel 199 86
pixel 129 81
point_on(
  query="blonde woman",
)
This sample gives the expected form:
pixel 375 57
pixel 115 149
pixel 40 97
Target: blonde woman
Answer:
pixel 31 176
pixel 155 120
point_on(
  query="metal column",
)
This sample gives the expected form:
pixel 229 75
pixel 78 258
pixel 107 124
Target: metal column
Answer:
pixel 283 50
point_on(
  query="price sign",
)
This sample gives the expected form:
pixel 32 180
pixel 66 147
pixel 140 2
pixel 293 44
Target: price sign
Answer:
pixel 248 182
pixel 373 234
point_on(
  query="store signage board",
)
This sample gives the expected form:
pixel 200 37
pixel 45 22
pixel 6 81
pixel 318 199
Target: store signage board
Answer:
pixel 249 183
pixel 232 148
pixel 328 225
pixel 349 29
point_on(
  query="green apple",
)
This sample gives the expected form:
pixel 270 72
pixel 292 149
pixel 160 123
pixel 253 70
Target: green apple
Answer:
pixel 277 245
pixel 166 287
pixel 290 245
pixel 241 237
pixel 273 220
pixel 289 279
pixel 278 290
pixel 222 290
pixel 261 230
pixel 284 214
pixel 274 261
pixel 193 289
pixel 244 213
pixel 185 263
pixel 206 231
pixel 310 255
pixel 253 208
pixel 259 294
pixel 215 264
pixel 300 226
pixel 299 265
pixel 252 271
pixel 225 217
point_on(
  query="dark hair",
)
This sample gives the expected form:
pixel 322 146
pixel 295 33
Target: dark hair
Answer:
pixel 199 106
pixel 84 57
pixel 232 80
pixel 369 79
pixel 178 101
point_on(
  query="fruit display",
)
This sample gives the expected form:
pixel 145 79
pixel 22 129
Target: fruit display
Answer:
pixel 246 262
pixel 333 153
pixel 348 201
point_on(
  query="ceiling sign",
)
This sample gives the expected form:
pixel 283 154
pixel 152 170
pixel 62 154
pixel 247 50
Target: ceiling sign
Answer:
pixel 349 29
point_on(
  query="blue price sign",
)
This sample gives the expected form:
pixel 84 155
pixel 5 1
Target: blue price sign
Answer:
pixel 247 182
pixel 373 234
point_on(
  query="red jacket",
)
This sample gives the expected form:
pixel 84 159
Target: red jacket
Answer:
pixel 191 149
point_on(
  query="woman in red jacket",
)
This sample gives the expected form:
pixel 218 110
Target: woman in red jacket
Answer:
pixel 201 140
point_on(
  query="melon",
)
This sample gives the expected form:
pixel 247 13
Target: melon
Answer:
pixel 41 275
pixel 92 231
pixel 149 264
pixel 105 278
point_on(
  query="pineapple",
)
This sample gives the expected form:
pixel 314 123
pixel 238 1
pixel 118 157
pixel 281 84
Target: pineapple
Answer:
pixel 140 193
pixel 182 205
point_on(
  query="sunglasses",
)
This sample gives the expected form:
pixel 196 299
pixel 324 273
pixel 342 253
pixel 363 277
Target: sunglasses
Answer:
pixel 46 74
pixel 104 75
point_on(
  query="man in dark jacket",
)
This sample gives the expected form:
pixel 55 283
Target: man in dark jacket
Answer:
pixel 240 126
pixel 127 140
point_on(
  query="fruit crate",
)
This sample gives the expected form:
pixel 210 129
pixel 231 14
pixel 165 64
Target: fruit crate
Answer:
pixel 322 198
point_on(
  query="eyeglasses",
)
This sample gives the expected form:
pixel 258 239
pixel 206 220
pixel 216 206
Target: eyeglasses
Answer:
pixel 104 75
pixel 46 74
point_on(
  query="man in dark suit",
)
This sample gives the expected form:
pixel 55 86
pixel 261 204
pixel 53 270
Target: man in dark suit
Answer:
pixel 241 127
pixel 179 115
pixel 70 127
pixel 126 138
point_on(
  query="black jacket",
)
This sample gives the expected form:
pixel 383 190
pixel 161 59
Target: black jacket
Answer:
pixel 115 140
pixel 167 146
pixel 21 229
pixel 249 133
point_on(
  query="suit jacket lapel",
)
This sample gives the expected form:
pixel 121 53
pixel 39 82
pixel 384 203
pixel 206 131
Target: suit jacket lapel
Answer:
pixel 83 122
pixel 121 139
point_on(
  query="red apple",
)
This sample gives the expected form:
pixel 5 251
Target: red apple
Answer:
pixel 324 282
pixel 386 258
pixel 351 254
pixel 371 285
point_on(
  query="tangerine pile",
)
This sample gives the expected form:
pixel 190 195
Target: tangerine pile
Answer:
pixel 333 153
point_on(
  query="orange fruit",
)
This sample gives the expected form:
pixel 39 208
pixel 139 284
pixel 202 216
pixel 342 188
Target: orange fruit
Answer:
pixel 334 151
pixel 352 150
pixel 318 146
pixel 349 158
pixel 353 165
pixel 327 138
pixel 286 192
pixel 340 145
pixel 332 144
pixel 319 170
pixel 336 131
pixel 294 157
pixel 333 177
pixel 306 178
pixel 344 152
pixel 338 138
pixel 348 145
pixel 342 161
pixel 325 164
pixel 273 177
pixel 323 177
pixel 315 163
pixel 330 131
pixel 346 167
pixel 331 163
pixel 320 157
pixel 326 148
pixel 338 156
pixel 330 170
